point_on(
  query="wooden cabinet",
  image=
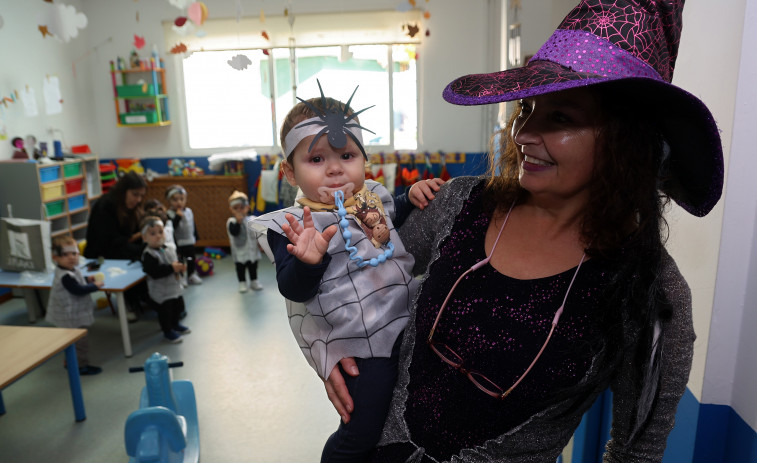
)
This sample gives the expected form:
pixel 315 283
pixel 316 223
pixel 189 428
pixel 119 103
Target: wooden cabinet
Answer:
pixel 140 95
pixel 60 192
pixel 208 197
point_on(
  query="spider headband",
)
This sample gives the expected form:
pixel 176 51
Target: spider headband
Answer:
pixel 151 223
pixel 174 190
pixel 332 121
pixel 304 129
pixel 68 249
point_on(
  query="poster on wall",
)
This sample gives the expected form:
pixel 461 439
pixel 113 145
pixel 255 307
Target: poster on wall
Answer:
pixel 29 102
pixel 51 92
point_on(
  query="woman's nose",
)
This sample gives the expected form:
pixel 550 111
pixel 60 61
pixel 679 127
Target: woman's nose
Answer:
pixel 526 132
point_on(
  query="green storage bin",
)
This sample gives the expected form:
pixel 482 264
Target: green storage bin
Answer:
pixel 54 208
pixel 140 117
pixel 139 90
pixel 72 170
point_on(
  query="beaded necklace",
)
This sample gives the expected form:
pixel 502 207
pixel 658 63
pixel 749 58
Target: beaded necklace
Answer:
pixel 344 224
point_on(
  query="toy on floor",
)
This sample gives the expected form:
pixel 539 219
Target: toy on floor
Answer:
pixel 165 428
pixel 214 253
pixel 204 266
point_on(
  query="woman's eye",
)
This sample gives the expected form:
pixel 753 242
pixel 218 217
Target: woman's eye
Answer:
pixel 525 108
pixel 560 117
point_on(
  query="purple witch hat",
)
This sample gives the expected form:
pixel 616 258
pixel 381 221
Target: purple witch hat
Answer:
pixel 633 44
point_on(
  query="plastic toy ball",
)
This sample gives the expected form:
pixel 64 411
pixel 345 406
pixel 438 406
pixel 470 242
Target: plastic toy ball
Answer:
pixel 204 266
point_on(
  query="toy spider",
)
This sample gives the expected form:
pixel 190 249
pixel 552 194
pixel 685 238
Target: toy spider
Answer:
pixel 335 122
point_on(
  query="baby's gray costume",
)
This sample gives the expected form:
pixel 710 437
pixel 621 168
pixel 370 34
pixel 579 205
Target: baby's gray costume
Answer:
pixel 358 312
pixel 65 309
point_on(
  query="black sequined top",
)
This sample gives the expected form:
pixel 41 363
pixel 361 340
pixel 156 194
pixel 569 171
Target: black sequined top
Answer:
pixel 497 324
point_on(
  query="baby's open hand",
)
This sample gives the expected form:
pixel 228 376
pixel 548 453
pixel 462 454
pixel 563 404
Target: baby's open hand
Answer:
pixel 178 267
pixel 307 244
pixel 423 191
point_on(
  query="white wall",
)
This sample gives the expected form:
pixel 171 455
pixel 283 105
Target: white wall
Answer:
pixel 731 377
pixel 28 59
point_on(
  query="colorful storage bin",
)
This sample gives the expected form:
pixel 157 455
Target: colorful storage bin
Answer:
pixel 136 91
pixel 51 190
pixel 72 170
pixel 76 202
pixel 141 117
pixel 73 186
pixel 54 208
pixel 49 174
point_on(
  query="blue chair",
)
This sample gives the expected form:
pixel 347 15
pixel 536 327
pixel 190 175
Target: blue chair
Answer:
pixel 165 428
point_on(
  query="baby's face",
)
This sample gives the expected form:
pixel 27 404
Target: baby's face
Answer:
pixel 154 236
pixel 178 201
pixel 240 209
pixel 324 169
pixel 68 258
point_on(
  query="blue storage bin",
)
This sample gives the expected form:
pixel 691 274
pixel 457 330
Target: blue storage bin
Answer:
pixel 49 174
pixel 76 202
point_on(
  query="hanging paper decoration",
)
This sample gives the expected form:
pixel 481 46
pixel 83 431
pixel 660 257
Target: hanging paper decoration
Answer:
pixel 265 35
pixel 179 48
pixel 239 62
pixel 426 14
pixel 265 52
pixel 139 42
pixel 63 21
pixel 410 29
pixel 180 21
pixel 428 32
pixel 182 26
pixel 262 16
pixel 44 31
pixel 197 13
pixel 238 10
pixel 412 2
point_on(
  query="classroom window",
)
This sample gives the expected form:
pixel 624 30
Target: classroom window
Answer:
pixel 226 107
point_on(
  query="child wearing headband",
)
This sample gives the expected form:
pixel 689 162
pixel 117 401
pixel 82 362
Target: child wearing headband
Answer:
pixel 185 230
pixel 158 209
pixel 70 303
pixel 243 243
pixel 340 264
pixel 164 275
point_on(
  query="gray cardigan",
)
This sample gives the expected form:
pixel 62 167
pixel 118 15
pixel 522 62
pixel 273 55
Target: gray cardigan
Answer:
pixel 542 437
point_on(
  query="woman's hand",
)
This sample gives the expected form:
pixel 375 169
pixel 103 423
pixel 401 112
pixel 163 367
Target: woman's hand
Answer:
pixel 308 244
pixel 337 391
pixel 135 237
pixel 423 191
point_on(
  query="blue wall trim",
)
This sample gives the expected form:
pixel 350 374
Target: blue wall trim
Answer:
pixel 722 436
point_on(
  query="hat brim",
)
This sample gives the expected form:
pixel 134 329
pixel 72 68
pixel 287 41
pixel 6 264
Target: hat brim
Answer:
pixel 696 153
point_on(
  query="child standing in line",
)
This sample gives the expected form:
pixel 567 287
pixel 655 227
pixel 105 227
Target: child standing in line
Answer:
pixel 156 208
pixel 185 230
pixel 243 243
pixel 164 271
pixel 70 304
pixel 337 308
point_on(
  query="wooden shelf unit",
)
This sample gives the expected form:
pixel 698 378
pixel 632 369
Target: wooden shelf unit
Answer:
pixel 208 197
pixel 129 94
pixel 59 192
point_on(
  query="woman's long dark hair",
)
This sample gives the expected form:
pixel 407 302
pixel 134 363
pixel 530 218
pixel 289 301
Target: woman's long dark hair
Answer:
pixel 127 217
pixel 623 224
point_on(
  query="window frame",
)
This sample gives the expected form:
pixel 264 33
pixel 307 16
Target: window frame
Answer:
pixel 181 104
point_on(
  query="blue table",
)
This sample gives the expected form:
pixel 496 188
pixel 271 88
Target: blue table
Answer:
pixel 120 275
pixel 25 348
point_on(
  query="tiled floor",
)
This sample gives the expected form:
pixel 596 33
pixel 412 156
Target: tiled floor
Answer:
pixel 258 400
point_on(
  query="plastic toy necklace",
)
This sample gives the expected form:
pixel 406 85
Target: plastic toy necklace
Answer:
pixel 344 224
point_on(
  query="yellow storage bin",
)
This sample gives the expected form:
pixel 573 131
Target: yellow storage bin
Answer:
pixel 52 190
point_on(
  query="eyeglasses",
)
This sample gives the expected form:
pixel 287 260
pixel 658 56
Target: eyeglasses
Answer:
pixel 452 358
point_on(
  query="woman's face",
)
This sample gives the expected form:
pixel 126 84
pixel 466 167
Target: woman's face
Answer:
pixel 556 139
pixel 134 197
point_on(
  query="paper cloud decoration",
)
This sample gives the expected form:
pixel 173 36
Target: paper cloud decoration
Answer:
pixel 63 21
pixel 239 62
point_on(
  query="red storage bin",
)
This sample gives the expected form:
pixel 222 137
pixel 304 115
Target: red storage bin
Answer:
pixel 73 186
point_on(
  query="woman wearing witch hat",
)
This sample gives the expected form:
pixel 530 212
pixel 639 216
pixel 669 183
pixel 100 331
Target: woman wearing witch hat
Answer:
pixel 547 281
